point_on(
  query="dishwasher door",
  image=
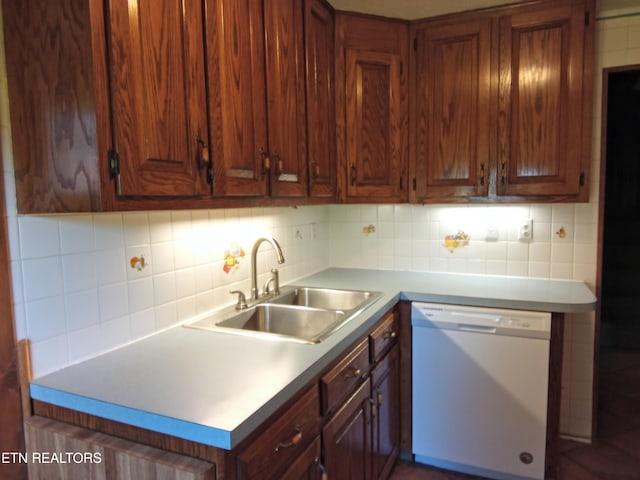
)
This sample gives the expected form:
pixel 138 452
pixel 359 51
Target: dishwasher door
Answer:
pixel 480 383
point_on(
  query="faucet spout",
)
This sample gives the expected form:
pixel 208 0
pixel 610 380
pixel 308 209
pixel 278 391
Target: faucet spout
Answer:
pixel 255 293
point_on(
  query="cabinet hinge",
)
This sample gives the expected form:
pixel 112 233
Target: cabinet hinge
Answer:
pixel 586 19
pixel 114 163
pixel 582 179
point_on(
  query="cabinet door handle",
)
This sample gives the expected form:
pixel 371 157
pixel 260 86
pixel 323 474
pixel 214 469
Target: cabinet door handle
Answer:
pixel 390 335
pixel 294 440
pixel 266 162
pixel 374 407
pixel 279 164
pixel 353 174
pixel 482 174
pixel 203 153
pixel 354 373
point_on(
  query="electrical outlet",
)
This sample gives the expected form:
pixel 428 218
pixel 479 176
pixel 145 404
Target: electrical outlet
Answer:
pixel 492 232
pixel 525 230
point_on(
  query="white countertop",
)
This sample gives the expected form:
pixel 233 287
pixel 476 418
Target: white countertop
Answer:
pixel 215 388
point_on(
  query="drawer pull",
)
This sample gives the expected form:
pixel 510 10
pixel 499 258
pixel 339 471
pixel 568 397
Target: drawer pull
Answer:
pixel 295 440
pixel 355 373
pixel 390 335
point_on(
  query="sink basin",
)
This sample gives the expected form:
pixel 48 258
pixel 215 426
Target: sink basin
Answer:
pixel 327 298
pixel 299 314
pixel 306 324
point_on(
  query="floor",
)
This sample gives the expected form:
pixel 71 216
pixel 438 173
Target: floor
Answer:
pixel 613 455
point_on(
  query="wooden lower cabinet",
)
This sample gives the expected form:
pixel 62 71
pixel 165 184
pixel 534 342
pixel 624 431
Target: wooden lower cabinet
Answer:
pixel 385 416
pixel 347 438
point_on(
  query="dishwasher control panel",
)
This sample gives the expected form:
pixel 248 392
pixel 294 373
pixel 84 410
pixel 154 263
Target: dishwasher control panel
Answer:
pixel 482 319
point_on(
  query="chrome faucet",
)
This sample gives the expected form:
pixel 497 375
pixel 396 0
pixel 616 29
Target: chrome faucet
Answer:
pixel 255 293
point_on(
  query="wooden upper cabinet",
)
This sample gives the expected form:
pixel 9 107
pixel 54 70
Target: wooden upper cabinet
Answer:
pixel 373 137
pixel 52 102
pixel 286 97
pixel 237 97
pixel 451 110
pixel 158 96
pixel 544 100
pixel 321 134
pixel 372 109
pixel 256 97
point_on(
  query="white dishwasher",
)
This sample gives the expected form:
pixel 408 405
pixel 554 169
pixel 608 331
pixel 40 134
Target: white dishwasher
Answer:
pixel 480 381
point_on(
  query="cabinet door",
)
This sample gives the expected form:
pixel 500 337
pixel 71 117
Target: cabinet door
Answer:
pixel 385 416
pixel 373 125
pixel 321 135
pixel 286 97
pixel 347 438
pixel 541 101
pixel 235 58
pixel 307 466
pixel 452 113
pixel 158 96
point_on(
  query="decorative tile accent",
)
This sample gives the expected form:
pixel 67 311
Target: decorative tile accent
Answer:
pixel 453 242
pixel 369 229
pixel 232 258
pixel 561 233
pixel 138 263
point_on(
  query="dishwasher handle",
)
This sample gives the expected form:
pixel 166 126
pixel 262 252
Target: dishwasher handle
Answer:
pixel 468 327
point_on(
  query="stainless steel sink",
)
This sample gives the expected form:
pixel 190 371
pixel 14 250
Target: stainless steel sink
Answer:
pixel 327 298
pixel 306 324
pixel 299 314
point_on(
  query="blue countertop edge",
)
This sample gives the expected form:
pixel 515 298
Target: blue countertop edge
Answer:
pixel 138 418
pixel 229 439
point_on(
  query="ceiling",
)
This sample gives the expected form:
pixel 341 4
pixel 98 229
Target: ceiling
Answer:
pixel 413 9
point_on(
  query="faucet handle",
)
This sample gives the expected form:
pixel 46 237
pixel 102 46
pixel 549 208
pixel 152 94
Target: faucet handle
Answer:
pixel 275 279
pixel 242 300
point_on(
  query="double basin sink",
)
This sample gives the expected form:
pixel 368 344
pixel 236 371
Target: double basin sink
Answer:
pixel 299 314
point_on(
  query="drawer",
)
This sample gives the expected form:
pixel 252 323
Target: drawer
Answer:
pixel 342 379
pixel 283 441
pixel 383 336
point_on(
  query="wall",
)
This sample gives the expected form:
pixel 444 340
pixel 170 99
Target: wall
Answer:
pixel 76 293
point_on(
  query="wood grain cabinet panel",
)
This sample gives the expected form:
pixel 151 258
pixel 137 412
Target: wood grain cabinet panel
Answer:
pixel 257 96
pixel 158 96
pixel 372 109
pixel 385 416
pixel 452 114
pixel 320 80
pixel 108 102
pixel 91 455
pixel 54 127
pixel 372 118
pixel 347 438
pixel 237 96
pixel 542 80
pixel 502 104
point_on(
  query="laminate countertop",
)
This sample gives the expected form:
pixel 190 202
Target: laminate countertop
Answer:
pixel 216 388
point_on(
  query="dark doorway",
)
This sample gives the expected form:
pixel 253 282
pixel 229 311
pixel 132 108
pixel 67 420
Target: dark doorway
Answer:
pixel 620 294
